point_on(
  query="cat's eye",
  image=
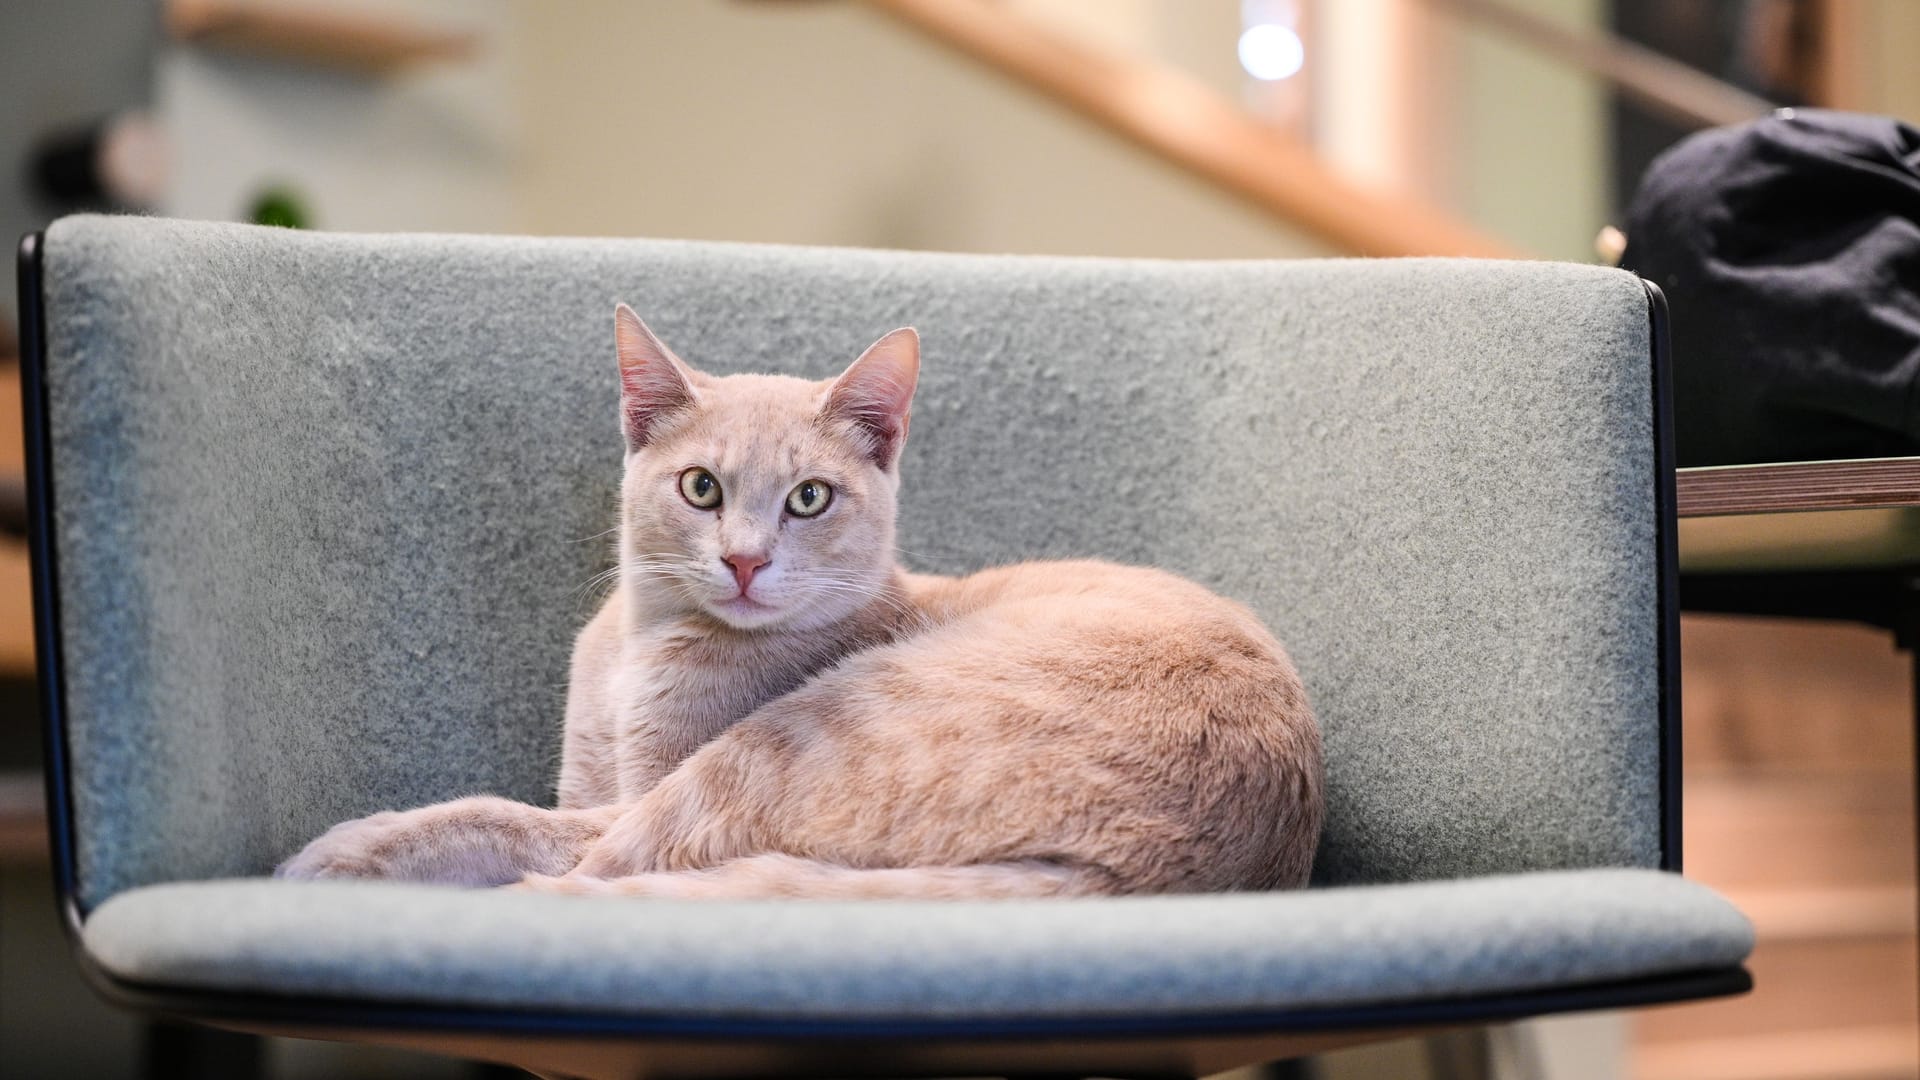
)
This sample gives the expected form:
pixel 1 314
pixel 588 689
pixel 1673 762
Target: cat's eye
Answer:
pixel 809 498
pixel 700 489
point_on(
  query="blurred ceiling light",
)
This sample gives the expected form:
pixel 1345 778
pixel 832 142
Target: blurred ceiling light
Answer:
pixel 1271 52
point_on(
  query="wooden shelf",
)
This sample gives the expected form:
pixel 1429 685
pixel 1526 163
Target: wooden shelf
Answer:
pixel 1798 486
pixel 1800 515
pixel 314 36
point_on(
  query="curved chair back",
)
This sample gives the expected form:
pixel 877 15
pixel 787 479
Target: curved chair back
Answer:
pixel 324 509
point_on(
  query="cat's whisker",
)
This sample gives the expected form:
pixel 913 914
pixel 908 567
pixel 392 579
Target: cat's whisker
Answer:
pixel 597 582
pixel 829 583
pixel 657 565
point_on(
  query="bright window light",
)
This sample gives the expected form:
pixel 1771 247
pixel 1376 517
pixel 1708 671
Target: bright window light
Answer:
pixel 1270 51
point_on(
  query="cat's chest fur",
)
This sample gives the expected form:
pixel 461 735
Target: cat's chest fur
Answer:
pixel 677 688
pixel 671 696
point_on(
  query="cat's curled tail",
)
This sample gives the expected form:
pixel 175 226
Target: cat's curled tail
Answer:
pixel 790 877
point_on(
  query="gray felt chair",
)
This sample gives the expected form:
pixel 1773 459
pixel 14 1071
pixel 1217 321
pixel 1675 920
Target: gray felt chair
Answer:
pixel 313 514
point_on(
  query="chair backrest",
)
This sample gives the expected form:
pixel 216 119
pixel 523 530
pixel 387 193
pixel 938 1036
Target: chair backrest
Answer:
pixel 324 507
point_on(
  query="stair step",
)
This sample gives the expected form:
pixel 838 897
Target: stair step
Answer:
pixel 1762 830
pixel 1835 913
pixel 1801 987
pixel 1877 1052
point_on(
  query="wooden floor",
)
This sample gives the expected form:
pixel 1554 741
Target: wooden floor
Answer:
pixel 1799 807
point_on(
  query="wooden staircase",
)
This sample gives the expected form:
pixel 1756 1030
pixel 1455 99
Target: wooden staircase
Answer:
pixel 1799 807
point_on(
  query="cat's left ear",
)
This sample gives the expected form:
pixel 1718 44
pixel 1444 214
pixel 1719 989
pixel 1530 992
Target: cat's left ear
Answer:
pixel 876 394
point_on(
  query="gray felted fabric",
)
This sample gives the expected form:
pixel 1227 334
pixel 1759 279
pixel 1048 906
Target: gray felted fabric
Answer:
pixel 989 960
pixel 326 504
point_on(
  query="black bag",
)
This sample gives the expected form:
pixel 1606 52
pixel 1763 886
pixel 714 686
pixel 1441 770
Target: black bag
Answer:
pixel 1789 250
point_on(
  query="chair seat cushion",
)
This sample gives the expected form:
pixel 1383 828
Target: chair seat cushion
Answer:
pixel 818 960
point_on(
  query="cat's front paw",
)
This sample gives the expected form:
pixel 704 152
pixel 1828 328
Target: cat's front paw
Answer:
pixel 368 847
pixel 567 883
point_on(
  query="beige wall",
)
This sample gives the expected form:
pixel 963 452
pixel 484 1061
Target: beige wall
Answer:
pixel 1417 99
pixel 1892 32
pixel 1533 138
pixel 828 124
pixel 822 123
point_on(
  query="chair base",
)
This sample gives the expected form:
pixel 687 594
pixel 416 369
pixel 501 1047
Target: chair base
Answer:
pixel 653 1048
pixel 589 1058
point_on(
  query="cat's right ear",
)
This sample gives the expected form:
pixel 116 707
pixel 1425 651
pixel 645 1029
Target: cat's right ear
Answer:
pixel 654 383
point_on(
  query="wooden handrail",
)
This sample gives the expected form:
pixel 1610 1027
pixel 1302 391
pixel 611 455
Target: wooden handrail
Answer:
pixel 1188 123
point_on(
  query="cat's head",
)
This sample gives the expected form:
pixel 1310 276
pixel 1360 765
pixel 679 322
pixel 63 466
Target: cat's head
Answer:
pixel 761 501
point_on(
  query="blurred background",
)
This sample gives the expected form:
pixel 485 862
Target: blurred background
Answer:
pixel 1161 128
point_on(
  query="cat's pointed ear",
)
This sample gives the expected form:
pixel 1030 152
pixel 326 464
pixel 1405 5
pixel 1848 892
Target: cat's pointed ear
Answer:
pixel 876 394
pixel 653 381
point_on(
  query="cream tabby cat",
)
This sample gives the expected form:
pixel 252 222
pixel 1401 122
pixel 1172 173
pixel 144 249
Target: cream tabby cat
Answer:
pixel 768 706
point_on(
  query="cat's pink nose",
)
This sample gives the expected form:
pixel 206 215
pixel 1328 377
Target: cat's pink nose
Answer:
pixel 743 568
